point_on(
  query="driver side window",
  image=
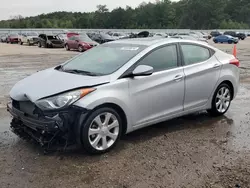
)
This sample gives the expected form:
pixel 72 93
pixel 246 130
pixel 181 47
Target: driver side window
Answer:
pixel 162 59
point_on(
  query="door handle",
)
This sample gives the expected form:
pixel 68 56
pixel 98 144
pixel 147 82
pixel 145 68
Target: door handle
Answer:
pixel 216 65
pixel 178 78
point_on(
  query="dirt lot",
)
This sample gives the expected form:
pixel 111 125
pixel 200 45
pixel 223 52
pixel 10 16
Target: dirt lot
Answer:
pixel 194 151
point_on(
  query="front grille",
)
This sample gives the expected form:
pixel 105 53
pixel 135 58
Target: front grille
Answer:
pixel 35 39
pixel 57 42
pixel 25 106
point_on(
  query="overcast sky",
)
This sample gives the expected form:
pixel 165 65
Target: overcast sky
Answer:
pixel 26 8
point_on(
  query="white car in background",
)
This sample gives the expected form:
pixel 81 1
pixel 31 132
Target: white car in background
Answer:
pixel 28 38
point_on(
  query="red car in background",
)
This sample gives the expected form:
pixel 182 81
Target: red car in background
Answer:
pixel 80 42
pixel 12 38
pixel 65 36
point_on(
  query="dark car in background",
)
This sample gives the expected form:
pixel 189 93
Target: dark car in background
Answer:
pixel 80 42
pixel 226 39
pixel 215 33
pixel 50 41
pixel 241 36
pixel 101 37
pixel 12 38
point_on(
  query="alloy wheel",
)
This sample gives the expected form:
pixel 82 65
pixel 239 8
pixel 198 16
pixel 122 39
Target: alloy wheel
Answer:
pixel 223 99
pixel 80 49
pixel 103 131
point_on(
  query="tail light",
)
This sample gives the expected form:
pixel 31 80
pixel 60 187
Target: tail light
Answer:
pixel 235 62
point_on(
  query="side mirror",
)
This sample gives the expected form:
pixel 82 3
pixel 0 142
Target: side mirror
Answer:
pixel 143 70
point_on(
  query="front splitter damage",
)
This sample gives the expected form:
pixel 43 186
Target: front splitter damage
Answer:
pixel 55 131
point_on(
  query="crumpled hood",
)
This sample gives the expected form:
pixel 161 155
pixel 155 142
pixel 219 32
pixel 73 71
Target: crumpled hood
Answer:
pixel 50 82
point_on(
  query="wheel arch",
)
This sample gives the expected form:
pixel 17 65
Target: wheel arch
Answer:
pixel 119 110
pixel 229 83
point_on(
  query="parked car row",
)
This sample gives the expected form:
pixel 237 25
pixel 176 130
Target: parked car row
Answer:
pixel 228 36
pixel 85 41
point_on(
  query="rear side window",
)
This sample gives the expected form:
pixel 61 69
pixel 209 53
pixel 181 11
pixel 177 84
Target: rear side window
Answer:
pixel 194 54
pixel 161 59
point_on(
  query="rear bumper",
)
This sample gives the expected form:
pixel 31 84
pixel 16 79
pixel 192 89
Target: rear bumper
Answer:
pixel 57 45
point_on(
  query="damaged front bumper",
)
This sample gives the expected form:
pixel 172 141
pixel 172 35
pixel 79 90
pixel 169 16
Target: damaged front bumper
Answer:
pixel 52 130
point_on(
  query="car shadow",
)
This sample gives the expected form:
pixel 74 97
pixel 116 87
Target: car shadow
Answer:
pixel 200 120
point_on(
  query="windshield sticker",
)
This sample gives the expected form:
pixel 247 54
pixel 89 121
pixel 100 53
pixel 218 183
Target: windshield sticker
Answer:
pixel 130 48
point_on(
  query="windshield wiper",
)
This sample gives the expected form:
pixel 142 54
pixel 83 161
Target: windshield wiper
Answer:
pixel 76 71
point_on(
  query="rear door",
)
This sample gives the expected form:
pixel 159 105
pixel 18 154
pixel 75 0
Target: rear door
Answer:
pixel 202 71
pixel 160 94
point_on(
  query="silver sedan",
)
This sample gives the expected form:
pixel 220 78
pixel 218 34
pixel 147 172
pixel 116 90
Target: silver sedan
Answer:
pixel 122 86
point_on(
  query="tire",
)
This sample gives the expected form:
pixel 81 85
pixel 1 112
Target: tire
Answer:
pixel 80 48
pixel 97 146
pixel 29 43
pixel 219 109
pixel 39 45
pixel 230 42
pixel 215 41
pixel 67 47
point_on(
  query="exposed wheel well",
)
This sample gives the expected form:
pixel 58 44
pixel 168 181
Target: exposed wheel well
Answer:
pixel 230 85
pixel 119 111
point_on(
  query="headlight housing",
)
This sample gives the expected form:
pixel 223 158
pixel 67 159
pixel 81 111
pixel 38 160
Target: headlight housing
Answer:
pixel 62 100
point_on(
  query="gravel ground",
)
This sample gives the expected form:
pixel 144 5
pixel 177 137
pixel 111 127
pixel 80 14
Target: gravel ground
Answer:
pixel 192 151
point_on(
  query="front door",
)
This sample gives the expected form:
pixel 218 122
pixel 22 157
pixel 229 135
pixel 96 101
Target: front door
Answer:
pixel 160 94
pixel 202 71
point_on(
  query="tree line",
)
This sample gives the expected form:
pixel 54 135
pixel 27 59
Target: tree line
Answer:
pixel 163 14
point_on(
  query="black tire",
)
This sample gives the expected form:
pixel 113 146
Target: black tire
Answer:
pixel 39 44
pixel 67 47
pixel 230 42
pixel 215 41
pixel 214 111
pixel 29 43
pixel 84 137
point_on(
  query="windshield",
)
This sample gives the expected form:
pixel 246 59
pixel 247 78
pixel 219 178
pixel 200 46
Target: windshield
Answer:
pixel 104 59
pixel 32 34
pixel 84 38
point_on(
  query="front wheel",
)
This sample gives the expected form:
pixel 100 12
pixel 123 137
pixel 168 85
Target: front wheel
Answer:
pixel 230 42
pixel 39 44
pixel 101 131
pixel 80 48
pixel 221 100
pixel 215 41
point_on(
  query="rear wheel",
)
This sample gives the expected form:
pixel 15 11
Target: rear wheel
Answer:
pixel 215 41
pixel 101 131
pixel 221 100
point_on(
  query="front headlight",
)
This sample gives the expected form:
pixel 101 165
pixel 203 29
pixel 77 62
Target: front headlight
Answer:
pixel 62 100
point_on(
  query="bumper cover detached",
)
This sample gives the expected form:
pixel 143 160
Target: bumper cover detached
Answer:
pixel 54 131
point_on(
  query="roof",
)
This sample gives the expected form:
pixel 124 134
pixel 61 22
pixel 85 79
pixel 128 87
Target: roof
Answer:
pixel 145 41
pixel 149 41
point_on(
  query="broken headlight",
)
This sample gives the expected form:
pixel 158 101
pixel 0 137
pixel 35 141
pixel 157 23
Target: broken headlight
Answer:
pixel 62 100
